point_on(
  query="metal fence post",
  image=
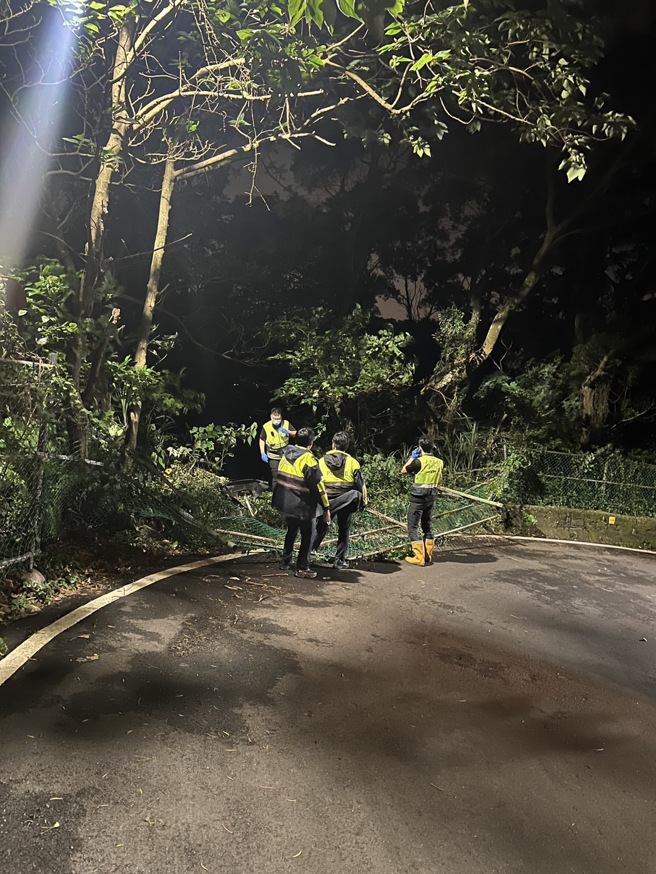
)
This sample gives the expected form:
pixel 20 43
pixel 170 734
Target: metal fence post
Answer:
pixel 42 446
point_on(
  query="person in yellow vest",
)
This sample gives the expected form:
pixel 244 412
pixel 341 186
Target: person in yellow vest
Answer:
pixel 300 496
pixel 347 492
pixel 274 436
pixel 428 473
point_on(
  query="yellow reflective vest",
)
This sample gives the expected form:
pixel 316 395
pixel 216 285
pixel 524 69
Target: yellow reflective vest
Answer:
pixel 428 476
pixel 275 441
pixel 299 491
pixel 341 473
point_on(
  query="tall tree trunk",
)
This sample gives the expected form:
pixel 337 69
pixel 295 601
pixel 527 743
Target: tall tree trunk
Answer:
pixel 152 290
pixel 451 379
pixel 109 162
pixel 455 376
pixel 595 392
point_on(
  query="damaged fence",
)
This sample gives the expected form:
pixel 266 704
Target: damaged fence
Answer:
pixel 374 532
pixel 47 496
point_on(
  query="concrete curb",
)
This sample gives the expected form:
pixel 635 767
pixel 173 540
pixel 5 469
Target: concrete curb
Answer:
pixel 570 542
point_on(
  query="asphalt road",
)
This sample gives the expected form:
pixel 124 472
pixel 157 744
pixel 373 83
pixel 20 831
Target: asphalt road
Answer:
pixel 493 713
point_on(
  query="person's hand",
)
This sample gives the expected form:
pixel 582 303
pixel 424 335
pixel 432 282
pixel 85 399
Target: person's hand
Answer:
pixel 415 453
pixel 326 517
pixel 282 430
pixel 265 457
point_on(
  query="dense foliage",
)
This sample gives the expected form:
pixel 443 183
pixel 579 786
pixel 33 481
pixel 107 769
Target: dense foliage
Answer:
pixel 216 169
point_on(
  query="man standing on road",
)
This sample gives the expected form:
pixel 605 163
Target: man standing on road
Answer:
pixel 428 473
pixel 274 437
pixel 347 493
pixel 300 496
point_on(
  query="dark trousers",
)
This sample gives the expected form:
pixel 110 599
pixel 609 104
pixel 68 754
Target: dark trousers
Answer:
pixel 274 464
pixel 307 527
pixel 344 519
pixel 420 513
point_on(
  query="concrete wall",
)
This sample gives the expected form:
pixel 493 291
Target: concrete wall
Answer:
pixel 591 525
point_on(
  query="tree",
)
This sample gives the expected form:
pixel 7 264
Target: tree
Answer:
pixel 154 80
pixel 349 371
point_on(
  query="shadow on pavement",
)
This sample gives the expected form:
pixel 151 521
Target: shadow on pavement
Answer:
pixel 463 557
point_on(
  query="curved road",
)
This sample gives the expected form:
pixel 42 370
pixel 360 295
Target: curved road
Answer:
pixel 493 713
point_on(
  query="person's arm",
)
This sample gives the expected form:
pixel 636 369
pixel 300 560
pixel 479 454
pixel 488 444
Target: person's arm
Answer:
pixel 412 465
pixel 291 431
pixel 263 454
pixel 314 478
pixel 358 480
pixel 323 497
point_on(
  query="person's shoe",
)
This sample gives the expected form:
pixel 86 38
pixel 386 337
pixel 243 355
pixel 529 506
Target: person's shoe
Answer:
pixel 418 553
pixel 341 565
pixel 286 565
pixel 307 574
pixel 429 545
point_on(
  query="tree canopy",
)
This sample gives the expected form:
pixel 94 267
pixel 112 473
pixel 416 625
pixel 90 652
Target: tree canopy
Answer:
pixel 459 167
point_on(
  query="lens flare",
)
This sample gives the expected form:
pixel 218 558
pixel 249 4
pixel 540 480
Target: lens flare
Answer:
pixel 38 106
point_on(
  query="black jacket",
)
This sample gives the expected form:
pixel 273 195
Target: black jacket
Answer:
pixel 299 492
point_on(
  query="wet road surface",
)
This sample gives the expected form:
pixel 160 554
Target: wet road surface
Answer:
pixel 493 713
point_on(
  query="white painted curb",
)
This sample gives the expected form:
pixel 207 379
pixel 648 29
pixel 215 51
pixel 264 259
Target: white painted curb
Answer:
pixel 570 542
pixel 15 660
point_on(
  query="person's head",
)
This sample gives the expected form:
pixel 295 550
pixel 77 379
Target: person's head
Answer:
pixel 341 441
pixel 426 445
pixel 305 437
pixel 276 417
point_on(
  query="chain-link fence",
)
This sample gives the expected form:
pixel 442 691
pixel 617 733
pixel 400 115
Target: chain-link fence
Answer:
pixel 44 493
pixel 24 384
pixel 51 497
pixel 584 481
pixel 47 495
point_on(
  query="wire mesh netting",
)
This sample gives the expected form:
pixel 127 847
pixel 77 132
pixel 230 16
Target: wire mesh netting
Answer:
pixel 24 385
pixel 585 481
pixel 46 495
pixel 374 532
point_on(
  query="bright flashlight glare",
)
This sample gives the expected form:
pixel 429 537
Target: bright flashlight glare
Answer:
pixel 26 149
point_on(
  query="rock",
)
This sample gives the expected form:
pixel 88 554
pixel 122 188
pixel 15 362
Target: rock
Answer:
pixel 33 577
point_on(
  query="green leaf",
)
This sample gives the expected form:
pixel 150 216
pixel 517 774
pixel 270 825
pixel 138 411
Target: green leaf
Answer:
pixel 426 58
pixel 314 12
pixel 347 7
pixel 296 8
pixel 575 173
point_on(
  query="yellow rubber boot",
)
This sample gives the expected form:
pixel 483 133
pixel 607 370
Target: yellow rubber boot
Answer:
pixel 428 548
pixel 418 553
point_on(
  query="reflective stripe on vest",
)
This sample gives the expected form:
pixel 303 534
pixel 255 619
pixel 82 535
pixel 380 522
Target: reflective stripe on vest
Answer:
pixel 290 476
pixel 431 472
pixel 340 481
pixel 276 441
